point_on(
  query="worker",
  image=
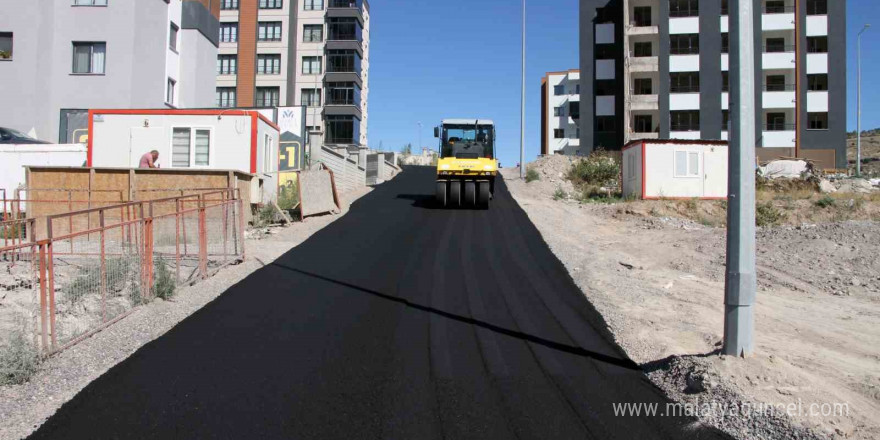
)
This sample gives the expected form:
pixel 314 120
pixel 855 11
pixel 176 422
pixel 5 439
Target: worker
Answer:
pixel 148 160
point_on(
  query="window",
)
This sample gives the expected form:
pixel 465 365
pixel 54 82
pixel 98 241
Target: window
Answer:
pixel 5 45
pixel 559 90
pixel 684 8
pixel 724 7
pixel 267 96
pixel 343 93
pixel 644 49
pixel 343 29
pixel 169 91
pixel 684 44
pixel 605 87
pixel 313 5
pixel 89 2
pixel 817 82
pixel 225 97
pixel 776 83
pixel 558 133
pixel 725 43
pixel 343 129
pixel 642 86
pixel 642 124
pixel 311 66
pixel 684 82
pixel 271 4
pixel 182 140
pixel 227 64
pixel 577 89
pixel 776 45
pixel 725 81
pixel 574 109
pixel 343 61
pixel 725 120
pixel 172 37
pixel 687 164
pixel 229 32
pixel 229 4
pixel 642 16
pixel 817 7
pixel 269 31
pixel 817 121
pixel 605 52
pixel 817 44
pixel 311 97
pixel 684 120
pixel 606 124
pixel 558 111
pixel 269 64
pixel 776 7
pixel 313 33
pixel 776 122
pixel 89 58
pixel 631 167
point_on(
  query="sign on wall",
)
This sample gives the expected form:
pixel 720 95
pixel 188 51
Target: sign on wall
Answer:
pixel 292 124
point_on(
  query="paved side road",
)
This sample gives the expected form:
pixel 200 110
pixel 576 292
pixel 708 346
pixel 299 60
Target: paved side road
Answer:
pixel 399 321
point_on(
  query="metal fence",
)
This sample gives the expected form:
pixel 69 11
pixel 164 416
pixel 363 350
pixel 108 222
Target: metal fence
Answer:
pixel 97 265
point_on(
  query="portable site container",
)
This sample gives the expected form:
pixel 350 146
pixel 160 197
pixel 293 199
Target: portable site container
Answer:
pixel 674 169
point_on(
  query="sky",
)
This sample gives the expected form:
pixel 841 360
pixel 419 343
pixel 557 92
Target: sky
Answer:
pixel 432 60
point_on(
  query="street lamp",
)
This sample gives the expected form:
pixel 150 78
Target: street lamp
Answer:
pixel 859 115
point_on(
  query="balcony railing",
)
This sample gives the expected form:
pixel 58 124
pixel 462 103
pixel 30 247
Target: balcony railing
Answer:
pixel 779 49
pixel 684 127
pixel 678 13
pixel 780 87
pixel 779 126
pixel 684 89
pixel 353 4
pixel 773 9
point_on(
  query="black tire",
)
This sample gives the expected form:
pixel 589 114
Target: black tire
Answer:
pixel 483 195
pixel 441 194
pixel 470 194
pixel 454 194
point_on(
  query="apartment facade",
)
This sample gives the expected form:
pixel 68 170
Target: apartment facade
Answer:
pixel 312 53
pixel 63 57
pixel 659 69
pixel 560 113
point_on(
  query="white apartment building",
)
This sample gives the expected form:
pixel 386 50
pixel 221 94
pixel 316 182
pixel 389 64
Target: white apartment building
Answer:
pixel 560 112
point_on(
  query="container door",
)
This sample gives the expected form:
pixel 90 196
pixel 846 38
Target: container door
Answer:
pixel 715 172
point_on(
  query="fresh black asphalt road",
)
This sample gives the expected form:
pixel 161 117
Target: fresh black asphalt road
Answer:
pixel 398 321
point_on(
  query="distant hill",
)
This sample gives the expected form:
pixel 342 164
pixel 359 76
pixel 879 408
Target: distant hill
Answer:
pixel 870 150
pixel 874 132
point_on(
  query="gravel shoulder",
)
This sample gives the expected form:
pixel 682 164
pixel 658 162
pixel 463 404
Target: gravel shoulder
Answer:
pixel 659 283
pixel 25 407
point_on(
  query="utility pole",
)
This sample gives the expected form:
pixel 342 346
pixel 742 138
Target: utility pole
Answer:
pixel 740 275
pixel 419 147
pixel 522 121
pixel 859 115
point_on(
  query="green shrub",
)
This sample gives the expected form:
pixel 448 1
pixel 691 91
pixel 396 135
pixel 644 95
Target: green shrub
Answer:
pixel 826 202
pixel 767 215
pixel 163 281
pixel 288 196
pixel 560 194
pixel 532 175
pixel 598 169
pixel 19 360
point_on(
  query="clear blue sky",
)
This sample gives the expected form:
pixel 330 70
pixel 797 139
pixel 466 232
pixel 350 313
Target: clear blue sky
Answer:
pixel 431 60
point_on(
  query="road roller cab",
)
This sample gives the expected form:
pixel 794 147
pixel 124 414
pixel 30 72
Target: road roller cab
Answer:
pixel 467 166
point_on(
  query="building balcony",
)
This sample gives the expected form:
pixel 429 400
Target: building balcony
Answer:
pixel 644 102
pixel 346 9
pixel 779 138
pixel 817 25
pixel 681 134
pixel 635 29
pixel 684 63
pixel 778 60
pixel 634 135
pixel 778 19
pixel 817 102
pixel 684 101
pixel 817 63
pixel 779 99
pixel 644 64
pixel 605 106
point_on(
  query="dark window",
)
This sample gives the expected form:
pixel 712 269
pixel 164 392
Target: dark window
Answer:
pixel 269 31
pixel 229 4
pixel 574 109
pixel 558 133
pixel 5 45
pixel 343 29
pixel 684 8
pixel 642 16
pixel 606 15
pixel 777 7
pixel 604 52
pixel 684 82
pixel 776 83
pixel 776 122
pixel 725 120
pixel 267 96
pixel 642 86
pixel 643 49
pixel 725 81
pixel 269 64
pixel 172 37
pixel 229 32
pixel 313 33
pixel 558 111
pixel 605 124
pixel 169 91
pixel 684 120
pixel 313 5
pixel 227 64
pixel 684 44
pixel 725 43
pixel 343 93
pixel 817 7
pixel 817 121
pixel 345 4
pixel 605 87
pixel 817 44
pixel 89 58
pixel 817 82
pixel 343 61
pixel 559 90
pixel 271 4
pixel 643 124
pixel 724 7
pixel 343 129
pixel 225 97
pixel 776 45
pixel 577 89
pixel 311 97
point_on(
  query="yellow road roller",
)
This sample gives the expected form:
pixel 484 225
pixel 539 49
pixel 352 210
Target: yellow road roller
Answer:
pixel 467 167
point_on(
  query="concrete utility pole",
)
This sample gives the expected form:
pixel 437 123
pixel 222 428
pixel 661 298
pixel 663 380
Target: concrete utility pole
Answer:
pixel 859 116
pixel 522 120
pixel 419 147
pixel 740 279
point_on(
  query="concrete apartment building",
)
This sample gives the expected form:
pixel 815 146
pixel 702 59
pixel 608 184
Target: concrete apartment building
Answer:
pixel 560 112
pixel 67 56
pixel 312 53
pixel 659 69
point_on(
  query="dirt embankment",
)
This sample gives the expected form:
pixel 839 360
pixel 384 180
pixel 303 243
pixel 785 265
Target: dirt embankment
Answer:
pixel 870 152
pixel 656 272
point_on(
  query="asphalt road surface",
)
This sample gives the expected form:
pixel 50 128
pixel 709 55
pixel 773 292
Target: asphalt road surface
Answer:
pixel 398 321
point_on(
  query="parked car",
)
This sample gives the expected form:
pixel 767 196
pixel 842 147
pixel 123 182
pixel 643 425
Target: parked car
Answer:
pixel 10 136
